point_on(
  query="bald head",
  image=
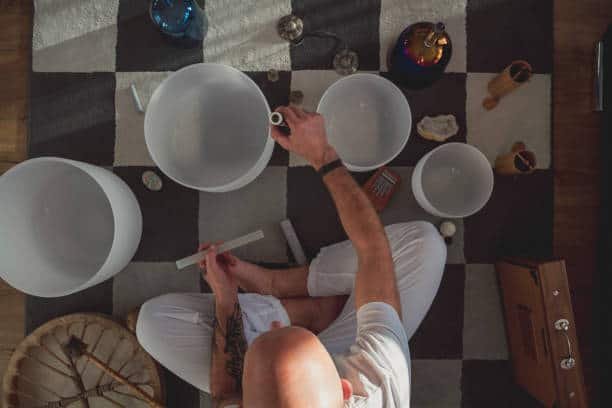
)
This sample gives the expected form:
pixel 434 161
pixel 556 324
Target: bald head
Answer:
pixel 290 368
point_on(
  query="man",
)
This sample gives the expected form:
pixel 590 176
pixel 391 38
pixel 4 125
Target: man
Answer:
pixel 364 298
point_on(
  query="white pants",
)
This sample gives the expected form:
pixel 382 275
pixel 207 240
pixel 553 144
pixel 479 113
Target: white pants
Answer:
pixel 177 330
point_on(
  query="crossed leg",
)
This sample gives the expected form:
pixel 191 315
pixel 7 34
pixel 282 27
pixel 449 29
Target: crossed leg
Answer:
pixel 315 296
pixel 290 286
pixel 176 329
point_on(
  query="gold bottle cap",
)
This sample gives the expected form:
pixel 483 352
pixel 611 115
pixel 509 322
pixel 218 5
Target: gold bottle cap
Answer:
pixel 426 43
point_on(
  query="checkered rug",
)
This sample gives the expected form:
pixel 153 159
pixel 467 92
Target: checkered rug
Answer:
pixel 86 53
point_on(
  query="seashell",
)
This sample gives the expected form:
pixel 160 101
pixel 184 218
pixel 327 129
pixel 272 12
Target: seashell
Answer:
pixel 438 128
pixel 447 229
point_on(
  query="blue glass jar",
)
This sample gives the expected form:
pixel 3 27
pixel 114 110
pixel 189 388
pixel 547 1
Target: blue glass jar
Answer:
pixel 420 55
pixel 180 19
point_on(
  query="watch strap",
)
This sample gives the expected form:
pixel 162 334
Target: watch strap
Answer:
pixel 329 167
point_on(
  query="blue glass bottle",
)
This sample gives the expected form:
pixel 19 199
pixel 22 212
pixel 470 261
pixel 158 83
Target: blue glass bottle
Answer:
pixel 181 19
pixel 420 55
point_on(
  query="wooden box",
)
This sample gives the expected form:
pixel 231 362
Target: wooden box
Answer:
pixel 541 331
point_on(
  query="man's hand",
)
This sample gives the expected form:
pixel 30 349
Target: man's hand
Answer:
pixel 215 269
pixel 308 138
pixel 250 277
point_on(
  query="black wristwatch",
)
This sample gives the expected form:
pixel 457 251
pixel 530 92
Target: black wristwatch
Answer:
pixel 329 167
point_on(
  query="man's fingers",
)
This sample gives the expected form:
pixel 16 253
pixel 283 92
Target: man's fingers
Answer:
pixel 229 259
pixel 202 265
pixel 298 112
pixel 210 259
pixel 280 138
pixel 234 260
pixel 226 259
pixel 211 256
pixel 275 325
pixel 288 114
pixel 202 247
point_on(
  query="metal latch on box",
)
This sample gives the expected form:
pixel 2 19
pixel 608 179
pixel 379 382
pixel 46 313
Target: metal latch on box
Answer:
pixel 562 326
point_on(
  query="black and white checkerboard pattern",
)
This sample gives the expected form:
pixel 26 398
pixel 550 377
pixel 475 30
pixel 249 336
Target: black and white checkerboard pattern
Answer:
pixel 86 53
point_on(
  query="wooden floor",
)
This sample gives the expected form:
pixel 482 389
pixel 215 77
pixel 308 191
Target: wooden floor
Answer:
pixel 15 45
pixel 576 155
pixel 578 24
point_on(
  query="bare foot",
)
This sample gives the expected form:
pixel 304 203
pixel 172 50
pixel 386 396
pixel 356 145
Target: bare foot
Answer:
pixel 252 278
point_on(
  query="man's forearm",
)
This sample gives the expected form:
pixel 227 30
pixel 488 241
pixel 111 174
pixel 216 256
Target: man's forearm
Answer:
pixel 229 347
pixel 358 217
pixel 375 280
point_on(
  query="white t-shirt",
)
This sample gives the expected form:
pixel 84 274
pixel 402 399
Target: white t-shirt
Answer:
pixel 378 364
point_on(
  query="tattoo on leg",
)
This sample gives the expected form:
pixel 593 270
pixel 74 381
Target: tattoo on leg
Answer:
pixel 235 345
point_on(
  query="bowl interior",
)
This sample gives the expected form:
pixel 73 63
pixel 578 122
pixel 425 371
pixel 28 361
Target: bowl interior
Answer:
pixel 367 119
pixel 207 125
pixel 56 224
pixel 457 179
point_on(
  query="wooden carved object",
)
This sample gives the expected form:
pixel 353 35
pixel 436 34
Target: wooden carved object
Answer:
pixel 518 161
pixel 513 76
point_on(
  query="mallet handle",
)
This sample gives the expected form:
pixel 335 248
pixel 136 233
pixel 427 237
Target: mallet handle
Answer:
pixel 226 246
pixel 118 377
